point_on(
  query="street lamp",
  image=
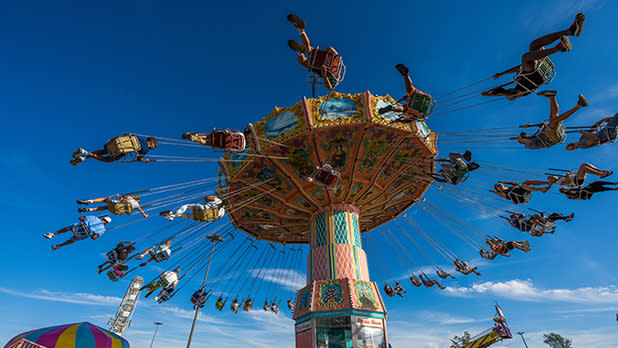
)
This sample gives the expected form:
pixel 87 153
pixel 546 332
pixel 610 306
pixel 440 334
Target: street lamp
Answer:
pixel 155 333
pixel 521 333
pixel 214 238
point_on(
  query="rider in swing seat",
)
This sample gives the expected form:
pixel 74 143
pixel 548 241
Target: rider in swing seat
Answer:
pixel 166 295
pixel 291 305
pixel 487 254
pixel 247 305
pixel 235 306
pixel 443 274
pixel 501 247
pixel 224 139
pixel 578 179
pixel 550 132
pixel 274 307
pixel 417 282
pixel 596 136
pixel 521 193
pixel 167 280
pixel 464 268
pixel 456 168
pixel 118 148
pixel 220 303
pixel 418 104
pixel 330 69
pixel 118 255
pixel 390 292
pixel 88 227
pixel 430 282
pixel 586 192
pixel 530 77
pixel 124 205
pixel 117 272
pixel 157 253
pixel 266 306
pixel 399 290
pixel 211 210
pixel 325 176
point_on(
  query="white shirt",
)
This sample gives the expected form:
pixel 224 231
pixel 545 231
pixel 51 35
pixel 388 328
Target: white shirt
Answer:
pixel 170 277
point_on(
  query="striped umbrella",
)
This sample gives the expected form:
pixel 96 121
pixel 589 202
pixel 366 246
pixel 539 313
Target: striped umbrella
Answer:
pixel 78 335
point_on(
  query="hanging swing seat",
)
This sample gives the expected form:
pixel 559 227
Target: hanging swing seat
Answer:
pixel 123 146
pixel 120 208
pixel 206 215
pixel 419 104
pixel 112 256
pixel 227 140
pixel 542 74
pixel 549 137
pixel 151 286
pixel 161 254
pixel 328 177
pixel 81 231
pixel 327 62
pixel 113 275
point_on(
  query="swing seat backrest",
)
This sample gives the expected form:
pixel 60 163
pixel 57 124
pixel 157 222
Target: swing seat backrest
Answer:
pixel 542 74
pixel 420 103
pixel 228 140
pixel 120 208
pixel 112 256
pixel 151 285
pixel 160 254
pixel 333 64
pixel 111 275
pixel 164 283
pixel 328 178
pixel 206 215
pixel 81 231
pixel 122 146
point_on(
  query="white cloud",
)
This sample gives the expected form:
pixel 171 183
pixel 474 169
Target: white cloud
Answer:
pixel 524 290
pixel 293 282
pixel 78 297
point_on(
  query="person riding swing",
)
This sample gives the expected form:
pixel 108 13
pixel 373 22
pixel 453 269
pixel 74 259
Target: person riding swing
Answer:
pixel 443 274
pixel 167 280
pixel 118 148
pixel 399 290
pixel 550 132
pixel 88 227
pixel 157 253
pixel 415 281
pixel 536 69
pixel 456 169
pixel 521 193
pixel 213 209
pixel 501 247
pixel 597 136
pixel 586 192
pixel 325 64
pixel 418 105
pixel 235 306
pixel 388 290
pixel 117 255
pixel 247 305
pixel 430 282
pixel 464 268
pixel 291 305
pixel 219 138
pixel 124 205
pixel 220 303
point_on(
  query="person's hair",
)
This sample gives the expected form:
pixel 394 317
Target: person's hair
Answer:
pixel 168 243
pixel 499 187
pixel 210 198
pixel 152 141
pixel 473 166
pixel 94 236
pixel 571 146
pixel 177 270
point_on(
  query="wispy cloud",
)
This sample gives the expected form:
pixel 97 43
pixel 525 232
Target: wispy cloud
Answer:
pixel 77 297
pixel 293 281
pixel 524 290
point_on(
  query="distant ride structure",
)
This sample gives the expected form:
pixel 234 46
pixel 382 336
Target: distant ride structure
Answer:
pixel 382 170
pixel 77 335
pixel 122 320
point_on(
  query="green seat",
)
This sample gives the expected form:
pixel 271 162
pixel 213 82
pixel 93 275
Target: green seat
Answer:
pixel 420 104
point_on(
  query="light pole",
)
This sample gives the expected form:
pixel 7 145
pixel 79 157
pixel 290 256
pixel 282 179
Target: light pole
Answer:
pixel 521 333
pixel 214 238
pixel 155 333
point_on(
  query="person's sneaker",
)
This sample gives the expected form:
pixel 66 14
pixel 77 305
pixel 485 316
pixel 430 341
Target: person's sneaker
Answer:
pixel 297 47
pixel 582 100
pixel 385 109
pixel 547 93
pixel 156 298
pixel 55 247
pixel 296 21
pixel 565 44
pixel 578 25
pixel 81 201
pixel 403 70
pixel 74 162
pixel 80 152
pixel 83 210
pixel 48 235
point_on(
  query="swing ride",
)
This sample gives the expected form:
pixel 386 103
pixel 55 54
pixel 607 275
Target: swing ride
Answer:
pixel 309 182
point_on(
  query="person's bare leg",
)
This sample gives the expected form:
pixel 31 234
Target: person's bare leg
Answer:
pixel 545 40
pixel 332 50
pixel 529 185
pixel 70 241
pixel 97 155
pixel 327 82
pixel 305 39
pixel 587 168
pixel 304 61
pixel 528 59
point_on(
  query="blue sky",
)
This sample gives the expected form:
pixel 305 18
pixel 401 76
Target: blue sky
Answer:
pixel 78 73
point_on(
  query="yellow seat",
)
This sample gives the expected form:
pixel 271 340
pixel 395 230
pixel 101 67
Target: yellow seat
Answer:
pixel 206 215
pixel 123 146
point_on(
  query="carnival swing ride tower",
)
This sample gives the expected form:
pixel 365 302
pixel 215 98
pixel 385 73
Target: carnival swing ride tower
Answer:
pixel 383 168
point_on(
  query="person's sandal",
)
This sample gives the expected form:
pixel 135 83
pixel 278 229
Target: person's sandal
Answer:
pixel 565 44
pixel 296 21
pixel 547 93
pixel 578 24
pixel 582 101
